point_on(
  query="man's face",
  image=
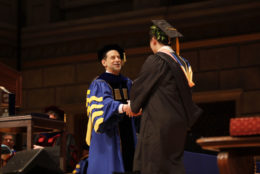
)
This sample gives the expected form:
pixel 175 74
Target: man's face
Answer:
pixel 8 140
pixel 112 62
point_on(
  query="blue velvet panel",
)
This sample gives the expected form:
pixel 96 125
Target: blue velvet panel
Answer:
pixel 258 167
pixel 198 163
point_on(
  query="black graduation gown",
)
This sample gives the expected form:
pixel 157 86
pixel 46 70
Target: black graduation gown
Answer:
pixel 164 122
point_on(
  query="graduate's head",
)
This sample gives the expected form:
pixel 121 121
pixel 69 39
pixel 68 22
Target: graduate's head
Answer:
pixel 163 33
pixel 112 58
pixel 159 35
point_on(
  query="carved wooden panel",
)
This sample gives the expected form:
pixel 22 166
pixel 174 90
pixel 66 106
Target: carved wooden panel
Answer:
pixel 8 11
pixel 12 81
pixel 38 12
pixel 77 3
pixel 220 96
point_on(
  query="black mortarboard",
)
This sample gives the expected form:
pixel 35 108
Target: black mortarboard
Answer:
pixel 102 52
pixel 169 30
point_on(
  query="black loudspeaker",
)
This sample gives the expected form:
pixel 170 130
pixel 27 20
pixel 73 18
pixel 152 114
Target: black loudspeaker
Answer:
pixel 11 106
pixel 36 161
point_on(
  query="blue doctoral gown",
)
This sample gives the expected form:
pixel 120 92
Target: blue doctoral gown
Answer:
pixel 104 96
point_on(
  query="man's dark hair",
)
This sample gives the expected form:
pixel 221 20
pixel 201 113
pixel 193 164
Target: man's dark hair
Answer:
pixel 159 35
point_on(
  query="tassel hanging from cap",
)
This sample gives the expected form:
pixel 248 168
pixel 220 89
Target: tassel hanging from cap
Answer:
pixel 65 118
pixel 124 57
pixel 177 46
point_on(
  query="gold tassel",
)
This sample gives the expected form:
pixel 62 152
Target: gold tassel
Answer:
pixel 124 57
pixel 177 46
pixel 65 118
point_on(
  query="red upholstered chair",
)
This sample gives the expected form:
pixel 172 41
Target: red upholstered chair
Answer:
pixel 244 126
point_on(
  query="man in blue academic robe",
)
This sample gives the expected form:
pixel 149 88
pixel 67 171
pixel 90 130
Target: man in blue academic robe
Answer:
pixel 111 133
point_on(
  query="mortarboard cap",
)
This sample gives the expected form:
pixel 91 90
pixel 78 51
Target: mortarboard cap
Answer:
pixel 169 30
pixel 102 52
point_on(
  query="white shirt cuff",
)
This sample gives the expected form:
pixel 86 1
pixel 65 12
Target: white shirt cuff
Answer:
pixel 120 109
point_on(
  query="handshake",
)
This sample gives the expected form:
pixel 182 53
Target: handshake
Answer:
pixel 127 109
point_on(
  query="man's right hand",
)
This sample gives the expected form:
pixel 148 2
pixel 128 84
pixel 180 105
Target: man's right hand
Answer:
pixel 127 109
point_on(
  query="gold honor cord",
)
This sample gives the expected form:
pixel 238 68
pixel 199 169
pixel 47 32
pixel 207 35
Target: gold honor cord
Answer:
pixel 188 73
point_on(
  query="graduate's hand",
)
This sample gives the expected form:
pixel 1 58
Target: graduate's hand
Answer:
pixel 135 114
pixel 139 113
pixel 127 109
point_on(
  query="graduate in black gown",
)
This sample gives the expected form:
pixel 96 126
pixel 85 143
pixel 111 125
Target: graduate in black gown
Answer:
pixel 163 92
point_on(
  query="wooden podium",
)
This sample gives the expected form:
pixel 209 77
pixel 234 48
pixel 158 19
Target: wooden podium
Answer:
pixel 236 154
pixel 34 124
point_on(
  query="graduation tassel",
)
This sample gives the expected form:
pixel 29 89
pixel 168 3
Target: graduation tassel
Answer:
pixel 65 118
pixel 177 46
pixel 124 57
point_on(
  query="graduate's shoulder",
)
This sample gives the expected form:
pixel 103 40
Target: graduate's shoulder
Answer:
pixel 154 61
pixel 155 57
